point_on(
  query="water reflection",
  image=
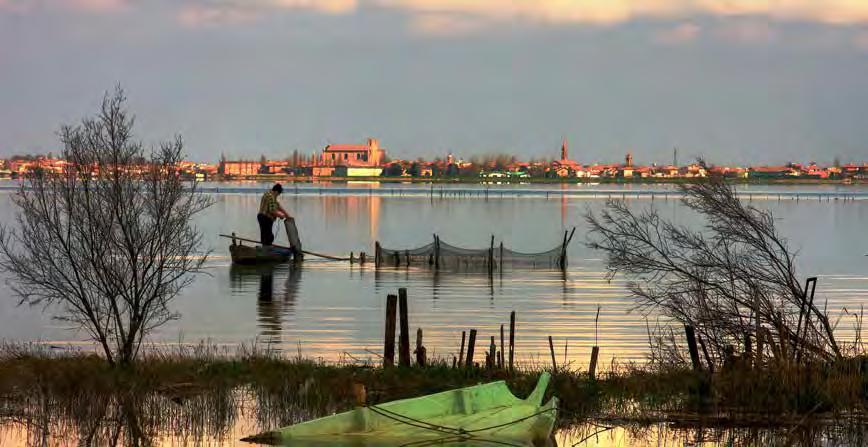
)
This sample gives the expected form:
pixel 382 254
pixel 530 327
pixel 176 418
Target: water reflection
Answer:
pixel 222 416
pixel 273 307
pixel 338 308
pixel 166 417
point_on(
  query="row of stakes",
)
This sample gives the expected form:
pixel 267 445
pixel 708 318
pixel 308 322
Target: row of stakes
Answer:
pixel 397 308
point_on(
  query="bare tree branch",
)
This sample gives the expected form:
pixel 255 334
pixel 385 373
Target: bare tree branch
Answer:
pixel 734 278
pixel 109 240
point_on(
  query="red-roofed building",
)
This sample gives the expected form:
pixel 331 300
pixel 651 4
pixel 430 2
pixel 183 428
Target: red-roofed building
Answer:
pixel 240 168
pixel 565 167
pixel 773 172
pixel 355 155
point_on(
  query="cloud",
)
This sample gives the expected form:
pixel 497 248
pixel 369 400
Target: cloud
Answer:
pixel 681 34
pixel 325 6
pixel 616 11
pixel 88 6
pixel 445 14
pixel 213 12
pixel 747 31
pixel 444 25
pixel 195 16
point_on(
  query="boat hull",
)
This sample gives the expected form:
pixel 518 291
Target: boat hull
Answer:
pixel 479 414
pixel 246 255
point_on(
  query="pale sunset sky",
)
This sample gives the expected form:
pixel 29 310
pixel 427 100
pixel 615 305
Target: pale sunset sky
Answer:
pixel 737 81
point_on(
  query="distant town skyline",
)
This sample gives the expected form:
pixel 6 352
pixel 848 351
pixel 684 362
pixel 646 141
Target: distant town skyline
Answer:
pixel 737 82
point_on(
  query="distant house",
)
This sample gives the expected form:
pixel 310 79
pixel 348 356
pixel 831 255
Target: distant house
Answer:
pixel 854 170
pixel 692 170
pixel 666 171
pixel 642 171
pixel 813 171
pixel 275 167
pixel 425 170
pixel 240 168
pixel 772 172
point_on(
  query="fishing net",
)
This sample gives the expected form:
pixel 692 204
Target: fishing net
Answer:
pixel 442 255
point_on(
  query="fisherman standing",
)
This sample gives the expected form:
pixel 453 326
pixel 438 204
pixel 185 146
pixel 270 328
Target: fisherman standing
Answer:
pixel 269 210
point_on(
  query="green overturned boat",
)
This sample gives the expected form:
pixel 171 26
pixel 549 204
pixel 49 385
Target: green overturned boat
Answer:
pixel 477 415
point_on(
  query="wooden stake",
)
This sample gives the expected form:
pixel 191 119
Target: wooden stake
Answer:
pixel 552 350
pixel 592 369
pixel 491 257
pixel 511 339
pixel 461 352
pixel 500 357
pixel 471 344
pixel 389 339
pixel 420 349
pixel 404 341
pixel 436 252
pixel 492 353
pixel 377 255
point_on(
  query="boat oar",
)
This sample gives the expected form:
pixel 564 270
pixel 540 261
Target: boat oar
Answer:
pixel 319 255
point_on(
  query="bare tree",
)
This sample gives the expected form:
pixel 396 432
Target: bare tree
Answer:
pixel 109 239
pixel 734 280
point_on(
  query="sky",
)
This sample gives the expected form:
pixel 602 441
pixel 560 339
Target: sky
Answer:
pixel 733 81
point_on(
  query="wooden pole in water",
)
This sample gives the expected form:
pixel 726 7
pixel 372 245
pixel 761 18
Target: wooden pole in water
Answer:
pixel 552 350
pixel 377 255
pixel 404 341
pixel 492 354
pixel 500 263
pixel 436 252
pixel 461 352
pixel 502 345
pixel 491 257
pixel 420 349
pixel 389 339
pixel 691 345
pixel 511 339
pixel 471 344
pixel 592 369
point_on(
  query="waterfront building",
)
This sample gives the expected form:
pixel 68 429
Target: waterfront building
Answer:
pixel 770 172
pixel 240 168
pixel 363 160
pixel 359 155
pixel 565 167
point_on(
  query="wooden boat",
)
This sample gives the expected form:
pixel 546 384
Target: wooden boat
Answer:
pixel 486 414
pixel 247 255
pixel 242 254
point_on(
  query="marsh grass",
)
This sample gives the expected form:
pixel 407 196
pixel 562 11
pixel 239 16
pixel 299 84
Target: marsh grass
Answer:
pixel 204 391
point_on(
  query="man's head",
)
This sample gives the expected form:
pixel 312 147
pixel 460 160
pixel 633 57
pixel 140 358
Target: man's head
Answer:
pixel 277 188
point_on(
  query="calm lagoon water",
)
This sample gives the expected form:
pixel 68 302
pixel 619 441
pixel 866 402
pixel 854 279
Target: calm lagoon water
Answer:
pixel 334 310
pixel 326 309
